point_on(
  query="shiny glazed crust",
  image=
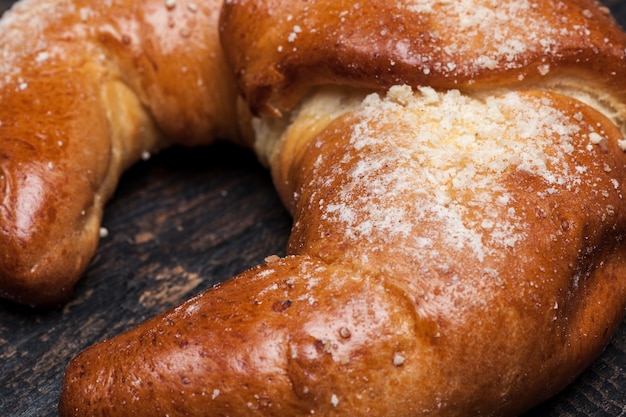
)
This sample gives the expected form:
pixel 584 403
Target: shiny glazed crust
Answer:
pixel 395 301
pixel 286 47
pixel 459 218
pixel 87 88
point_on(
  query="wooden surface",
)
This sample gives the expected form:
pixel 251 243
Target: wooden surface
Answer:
pixel 179 223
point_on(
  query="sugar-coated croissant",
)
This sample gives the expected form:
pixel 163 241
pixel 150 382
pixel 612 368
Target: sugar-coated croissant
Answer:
pixel 86 89
pixel 456 172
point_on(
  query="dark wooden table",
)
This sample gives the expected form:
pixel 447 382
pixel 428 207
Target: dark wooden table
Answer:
pixel 179 223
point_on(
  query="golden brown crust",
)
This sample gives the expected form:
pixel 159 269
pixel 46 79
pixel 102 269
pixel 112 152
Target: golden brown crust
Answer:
pixel 87 88
pixel 454 251
pixel 310 342
pixel 37 203
pixel 286 47
pixel 431 272
pixel 512 320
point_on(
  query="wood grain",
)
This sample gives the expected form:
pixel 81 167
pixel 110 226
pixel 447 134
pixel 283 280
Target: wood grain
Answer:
pixel 178 224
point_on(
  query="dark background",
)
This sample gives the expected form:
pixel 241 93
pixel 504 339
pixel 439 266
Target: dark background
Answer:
pixel 179 223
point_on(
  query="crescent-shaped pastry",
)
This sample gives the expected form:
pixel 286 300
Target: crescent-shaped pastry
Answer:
pixel 455 170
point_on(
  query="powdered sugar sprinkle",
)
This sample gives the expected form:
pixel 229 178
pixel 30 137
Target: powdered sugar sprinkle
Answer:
pixel 449 153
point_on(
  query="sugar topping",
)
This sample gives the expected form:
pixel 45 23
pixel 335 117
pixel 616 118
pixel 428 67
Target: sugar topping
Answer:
pixel 428 167
pixel 30 36
pixel 490 33
pixel 22 29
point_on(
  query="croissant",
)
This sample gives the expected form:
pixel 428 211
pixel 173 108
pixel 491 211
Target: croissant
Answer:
pixel 455 171
pixel 88 88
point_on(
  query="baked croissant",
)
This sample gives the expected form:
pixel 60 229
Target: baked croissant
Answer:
pixel 456 175
pixel 88 88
